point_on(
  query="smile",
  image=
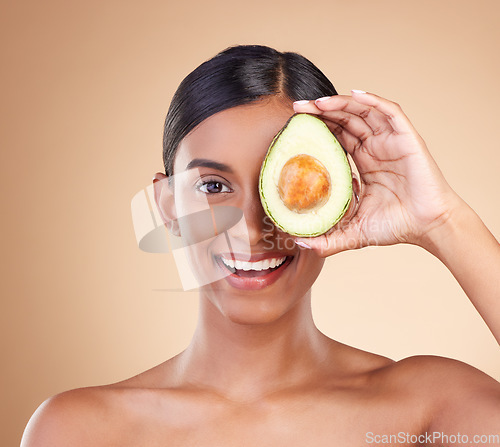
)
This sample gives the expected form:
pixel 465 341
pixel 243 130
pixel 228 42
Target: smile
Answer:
pixel 265 264
pixel 252 275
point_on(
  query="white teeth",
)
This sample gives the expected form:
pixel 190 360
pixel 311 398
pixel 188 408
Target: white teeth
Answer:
pixel 260 265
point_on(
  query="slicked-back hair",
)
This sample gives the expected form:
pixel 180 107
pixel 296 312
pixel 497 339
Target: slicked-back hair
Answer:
pixel 238 75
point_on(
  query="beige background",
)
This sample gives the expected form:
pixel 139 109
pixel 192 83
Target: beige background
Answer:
pixel 85 89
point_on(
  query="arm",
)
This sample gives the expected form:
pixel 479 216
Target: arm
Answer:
pixel 472 254
pixel 456 398
pixel 50 424
pixel 470 405
pixel 73 418
pixel 404 198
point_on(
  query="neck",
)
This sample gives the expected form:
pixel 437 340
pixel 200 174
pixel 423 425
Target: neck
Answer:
pixel 243 362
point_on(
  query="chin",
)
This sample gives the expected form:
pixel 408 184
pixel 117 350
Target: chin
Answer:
pixel 253 316
pixel 287 296
pixel 256 310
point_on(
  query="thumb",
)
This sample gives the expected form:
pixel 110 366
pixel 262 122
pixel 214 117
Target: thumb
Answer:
pixel 330 243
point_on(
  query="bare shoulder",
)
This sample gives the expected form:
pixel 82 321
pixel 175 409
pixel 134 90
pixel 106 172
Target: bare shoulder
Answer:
pixel 112 414
pixel 456 394
pixel 440 373
pixel 78 417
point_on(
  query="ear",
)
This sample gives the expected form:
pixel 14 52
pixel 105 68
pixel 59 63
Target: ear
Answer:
pixel 165 202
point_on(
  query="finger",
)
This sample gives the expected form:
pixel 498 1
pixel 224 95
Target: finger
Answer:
pixel 356 126
pixel 332 243
pixel 374 119
pixel 392 111
pixel 349 141
pixel 306 106
pixel 352 123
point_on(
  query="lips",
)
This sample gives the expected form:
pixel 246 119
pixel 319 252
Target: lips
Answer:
pixel 259 268
pixel 252 258
pixel 253 279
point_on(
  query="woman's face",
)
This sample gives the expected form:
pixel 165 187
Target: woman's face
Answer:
pixel 227 150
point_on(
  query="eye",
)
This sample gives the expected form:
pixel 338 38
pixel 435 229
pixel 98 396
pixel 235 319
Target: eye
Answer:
pixel 212 187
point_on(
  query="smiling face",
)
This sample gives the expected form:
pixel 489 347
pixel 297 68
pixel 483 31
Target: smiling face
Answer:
pixel 220 162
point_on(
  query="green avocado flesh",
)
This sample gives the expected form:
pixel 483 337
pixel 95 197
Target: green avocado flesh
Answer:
pixel 305 182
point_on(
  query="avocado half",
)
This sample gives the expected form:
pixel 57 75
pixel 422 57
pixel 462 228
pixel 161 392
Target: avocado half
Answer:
pixel 305 181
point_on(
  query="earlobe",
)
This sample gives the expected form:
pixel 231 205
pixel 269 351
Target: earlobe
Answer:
pixel 165 202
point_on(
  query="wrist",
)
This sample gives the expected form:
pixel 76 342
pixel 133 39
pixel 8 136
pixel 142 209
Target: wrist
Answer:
pixel 458 219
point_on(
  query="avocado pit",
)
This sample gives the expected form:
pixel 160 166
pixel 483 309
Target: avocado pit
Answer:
pixel 304 184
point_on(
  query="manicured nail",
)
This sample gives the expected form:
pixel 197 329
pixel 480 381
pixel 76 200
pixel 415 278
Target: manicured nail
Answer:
pixel 323 99
pixel 302 101
pixel 302 244
pixel 358 91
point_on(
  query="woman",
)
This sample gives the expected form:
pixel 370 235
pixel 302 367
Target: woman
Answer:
pixel 258 371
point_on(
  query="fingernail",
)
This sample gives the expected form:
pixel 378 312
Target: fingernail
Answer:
pixel 358 91
pixel 302 244
pixel 323 99
pixel 302 101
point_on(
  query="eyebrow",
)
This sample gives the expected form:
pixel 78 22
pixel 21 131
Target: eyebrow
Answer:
pixel 197 162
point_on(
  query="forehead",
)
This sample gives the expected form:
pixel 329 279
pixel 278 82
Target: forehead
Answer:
pixel 241 133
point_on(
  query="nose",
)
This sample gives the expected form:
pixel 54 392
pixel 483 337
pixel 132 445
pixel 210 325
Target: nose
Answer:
pixel 257 226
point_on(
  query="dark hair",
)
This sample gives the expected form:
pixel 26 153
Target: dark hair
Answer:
pixel 238 75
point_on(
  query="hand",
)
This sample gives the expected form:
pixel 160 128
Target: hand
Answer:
pixel 403 195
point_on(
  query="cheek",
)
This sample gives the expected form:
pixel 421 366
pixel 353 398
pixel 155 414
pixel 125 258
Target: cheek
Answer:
pixel 308 268
pixel 194 259
pixel 187 199
pixel 194 214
